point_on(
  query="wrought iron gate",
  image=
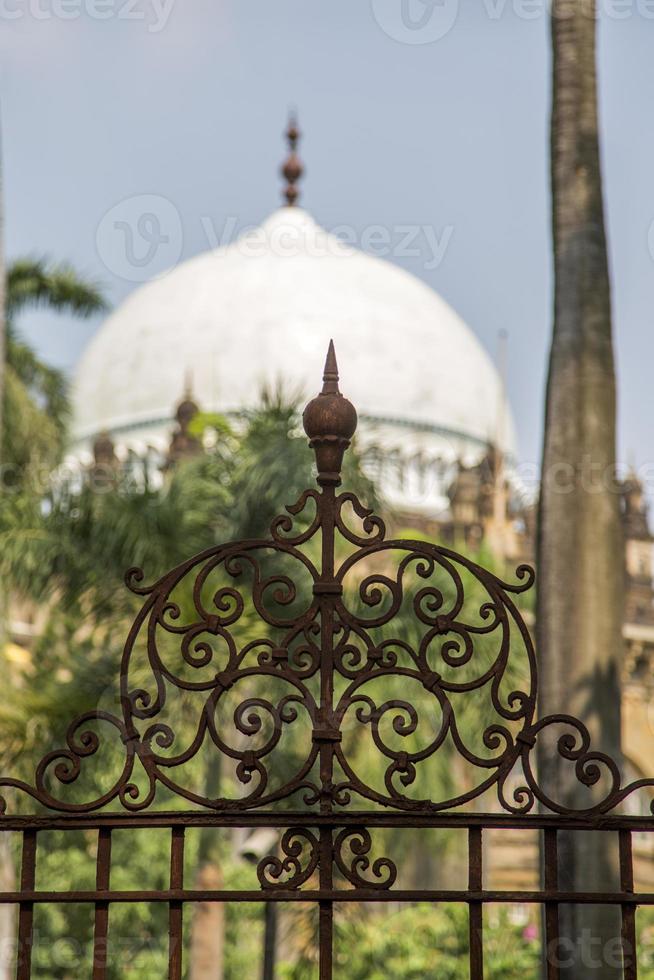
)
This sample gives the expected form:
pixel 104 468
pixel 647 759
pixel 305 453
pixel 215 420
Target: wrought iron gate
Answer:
pixel 367 641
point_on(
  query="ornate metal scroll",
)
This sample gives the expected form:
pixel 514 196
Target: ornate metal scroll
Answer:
pixel 325 665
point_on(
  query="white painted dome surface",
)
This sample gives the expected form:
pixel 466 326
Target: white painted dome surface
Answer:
pixel 264 308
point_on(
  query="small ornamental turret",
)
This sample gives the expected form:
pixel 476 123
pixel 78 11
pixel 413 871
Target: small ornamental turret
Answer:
pixel 104 451
pixel 186 412
pixel 330 421
pixel 292 168
pixel 103 471
pixel 184 445
pixel 635 509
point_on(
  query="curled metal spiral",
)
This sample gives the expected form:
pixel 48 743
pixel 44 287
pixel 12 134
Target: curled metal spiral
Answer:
pixel 357 863
pixel 287 871
pixel 369 658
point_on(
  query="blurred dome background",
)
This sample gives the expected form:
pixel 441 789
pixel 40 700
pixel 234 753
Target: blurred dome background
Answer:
pixel 262 310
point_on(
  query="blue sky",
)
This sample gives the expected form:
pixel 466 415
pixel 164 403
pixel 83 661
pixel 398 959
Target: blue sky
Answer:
pixel 443 125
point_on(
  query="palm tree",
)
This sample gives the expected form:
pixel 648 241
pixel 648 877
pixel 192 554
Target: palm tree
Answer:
pixel 6 880
pixel 580 604
pixel 2 294
pixel 35 400
pixel 33 403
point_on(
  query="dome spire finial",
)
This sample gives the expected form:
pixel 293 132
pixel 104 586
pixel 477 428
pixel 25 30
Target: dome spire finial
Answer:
pixel 292 168
pixel 330 373
pixel 330 421
pixel 188 383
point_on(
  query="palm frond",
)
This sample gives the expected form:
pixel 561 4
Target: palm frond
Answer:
pixel 39 282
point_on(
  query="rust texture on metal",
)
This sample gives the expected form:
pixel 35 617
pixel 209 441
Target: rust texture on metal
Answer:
pixel 328 637
pixel 551 876
pixel 290 653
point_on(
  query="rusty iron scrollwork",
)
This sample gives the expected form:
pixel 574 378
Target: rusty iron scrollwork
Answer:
pixel 298 861
pixel 327 664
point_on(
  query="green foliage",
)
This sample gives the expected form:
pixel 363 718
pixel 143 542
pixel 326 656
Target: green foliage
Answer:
pixel 39 282
pixel 418 942
pixel 63 947
pixel 36 405
pixel 67 549
pixel 33 437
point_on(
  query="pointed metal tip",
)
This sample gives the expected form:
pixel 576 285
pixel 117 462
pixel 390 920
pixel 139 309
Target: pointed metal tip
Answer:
pixel 330 374
pixel 331 367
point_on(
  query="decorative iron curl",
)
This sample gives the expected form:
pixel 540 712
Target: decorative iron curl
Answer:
pixel 374 529
pixel 294 843
pixel 590 769
pixel 353 868
pixel 313 637
pixel 282 527
pixel 65 767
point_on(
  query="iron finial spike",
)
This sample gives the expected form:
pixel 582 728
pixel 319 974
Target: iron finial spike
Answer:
pixel 330 374
pixel 292 168
pixel 330 421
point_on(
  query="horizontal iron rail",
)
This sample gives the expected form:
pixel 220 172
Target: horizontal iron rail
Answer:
pixel 304 818
pixel 462 896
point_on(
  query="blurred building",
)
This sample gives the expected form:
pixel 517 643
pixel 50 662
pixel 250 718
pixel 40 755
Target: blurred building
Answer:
pixel 262 310
pixel 435 426
pixel 436 429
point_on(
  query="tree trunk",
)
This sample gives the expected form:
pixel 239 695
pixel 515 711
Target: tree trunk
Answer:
pixel 3 301
pixel 580 548
pixel 207 952
pixel 7 873
pixel 208 928
pixel 7 912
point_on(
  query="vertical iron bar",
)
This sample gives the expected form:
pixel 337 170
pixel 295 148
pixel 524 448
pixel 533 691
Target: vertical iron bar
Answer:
pixel 101 927
pixel 175 907
pixel 551 883
pixel 475 908
pixel 26 913
pixel 325 907
pixel 328 524
pixel 269 941
pixel 326 932
pixel 629 947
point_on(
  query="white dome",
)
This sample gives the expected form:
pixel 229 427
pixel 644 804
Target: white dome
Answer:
pixel 264 308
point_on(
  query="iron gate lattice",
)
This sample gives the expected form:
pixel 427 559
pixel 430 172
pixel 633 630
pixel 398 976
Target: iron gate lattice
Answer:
pixel 329 587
